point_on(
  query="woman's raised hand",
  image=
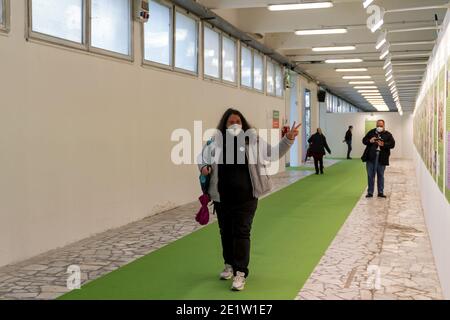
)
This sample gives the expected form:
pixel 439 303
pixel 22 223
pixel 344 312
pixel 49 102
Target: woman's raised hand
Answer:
pixel 293 133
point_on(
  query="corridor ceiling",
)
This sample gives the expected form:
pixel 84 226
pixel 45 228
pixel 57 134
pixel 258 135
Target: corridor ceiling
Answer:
pixel 409 50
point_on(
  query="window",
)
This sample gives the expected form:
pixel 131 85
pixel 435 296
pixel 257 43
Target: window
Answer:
pixel 4 15
pixel 111 25
pixel 278 81
pixel 229 58
pixel 158 35
pixel 211 53
pixel 270 78
pixel 246 67
pixel 258 72
pixel 306 120
pixel 66 22
pixel 186 39
pixel 335 104
pixel 58 18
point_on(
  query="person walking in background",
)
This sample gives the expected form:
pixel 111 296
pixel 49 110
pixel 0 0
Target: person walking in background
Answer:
pixel 348 140
pixel 235 186
pixel 379 143
pixel 318 145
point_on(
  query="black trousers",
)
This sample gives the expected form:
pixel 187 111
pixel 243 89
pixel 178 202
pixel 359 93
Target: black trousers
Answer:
pixel 235 224
pixel 349 149
pixel 318 162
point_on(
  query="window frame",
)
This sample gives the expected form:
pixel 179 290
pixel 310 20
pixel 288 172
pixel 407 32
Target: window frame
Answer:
pixel 277 65
pixel 197 22
pixel 264 84
pixel 155 64
pixel 85 45
pixel 236 69
pixel 31 34
pixel 274 63
pixel 106 52
pixel 219 32
pixel 242 45
pixel 5 25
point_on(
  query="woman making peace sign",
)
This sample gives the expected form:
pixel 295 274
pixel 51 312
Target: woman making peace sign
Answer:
pixel 235 186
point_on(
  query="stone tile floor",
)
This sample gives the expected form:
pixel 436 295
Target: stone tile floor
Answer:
pixel 382 251
pixel 45 276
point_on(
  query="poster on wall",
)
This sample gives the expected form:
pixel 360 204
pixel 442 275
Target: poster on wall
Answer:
pixel 447 136
pixel 440 130
pixel 432 130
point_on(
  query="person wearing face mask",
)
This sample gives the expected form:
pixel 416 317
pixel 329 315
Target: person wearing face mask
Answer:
pixel 235 186
pixel 379 143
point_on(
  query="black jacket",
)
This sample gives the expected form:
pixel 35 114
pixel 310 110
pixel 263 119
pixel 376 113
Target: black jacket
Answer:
pixel 371 148
pixel 318 144
pixel 348 136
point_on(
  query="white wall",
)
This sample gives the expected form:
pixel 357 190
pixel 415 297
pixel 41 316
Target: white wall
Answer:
pixel 437 216
pixel 85 140
pixel 334 126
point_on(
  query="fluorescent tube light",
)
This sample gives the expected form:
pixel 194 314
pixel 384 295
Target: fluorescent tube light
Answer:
pixel 320 31
pixel 300 6
pixel 384 53
pixel 367 3
pixel 352 70
pixel 365 87
pixel 361 82
pixel 356 77
pixel 377 26
pixel 381 41
pixel 325 49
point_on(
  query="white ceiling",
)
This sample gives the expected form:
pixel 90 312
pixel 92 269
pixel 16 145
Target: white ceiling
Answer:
pixel 277 29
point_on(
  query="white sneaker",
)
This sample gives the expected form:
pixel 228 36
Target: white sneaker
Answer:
pixel 238 281
pixel 227 272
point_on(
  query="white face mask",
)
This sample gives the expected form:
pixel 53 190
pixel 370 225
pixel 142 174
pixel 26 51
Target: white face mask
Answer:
pixel 235 129
pixel 380 129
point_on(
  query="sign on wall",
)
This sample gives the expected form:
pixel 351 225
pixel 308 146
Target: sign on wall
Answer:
pixel 276 119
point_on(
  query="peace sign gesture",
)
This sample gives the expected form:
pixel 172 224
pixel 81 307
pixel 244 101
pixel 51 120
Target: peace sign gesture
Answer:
pixel 293 133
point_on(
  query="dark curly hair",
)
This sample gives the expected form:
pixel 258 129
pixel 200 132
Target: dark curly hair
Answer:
pixel 222 126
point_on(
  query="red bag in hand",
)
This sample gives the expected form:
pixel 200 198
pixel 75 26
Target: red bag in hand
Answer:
pixel 203 214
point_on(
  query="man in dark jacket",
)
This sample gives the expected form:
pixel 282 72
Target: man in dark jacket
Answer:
pixel 317 146
pixel 348 140
pixel 379 143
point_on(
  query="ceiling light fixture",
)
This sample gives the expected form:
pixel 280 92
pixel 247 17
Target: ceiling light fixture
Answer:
pixel 352 70
pixel 300 6
pixel 381 40
pixel 356 77
pixel 326 49
pixel 343 60
pixel 371 95
pixel 387 64
pixel 384 53
pixel 365 87
pixel 367 3
pixel 361 82
pixel 320 31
